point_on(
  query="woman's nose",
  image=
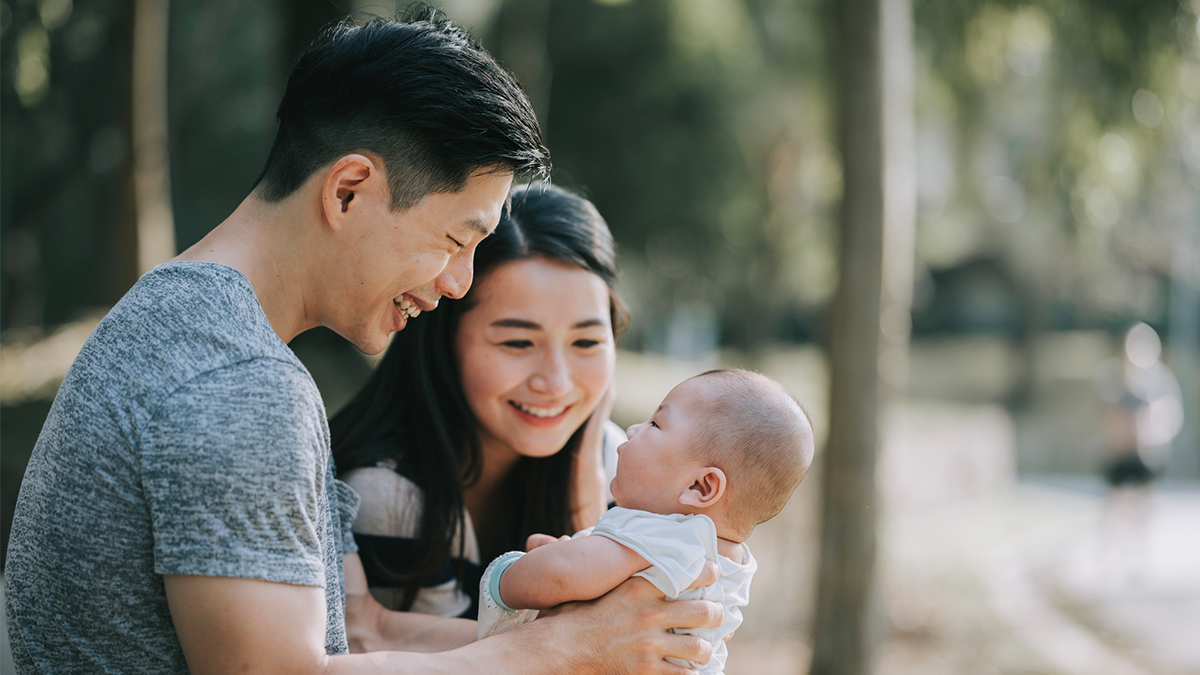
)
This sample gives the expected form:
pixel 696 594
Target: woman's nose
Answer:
pixel 553 375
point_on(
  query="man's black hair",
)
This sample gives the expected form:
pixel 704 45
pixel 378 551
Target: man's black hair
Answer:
pixel 418 92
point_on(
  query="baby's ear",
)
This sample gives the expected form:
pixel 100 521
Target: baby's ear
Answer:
pixel 707 488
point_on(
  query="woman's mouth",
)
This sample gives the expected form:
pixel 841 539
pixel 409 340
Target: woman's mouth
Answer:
pixel 539 413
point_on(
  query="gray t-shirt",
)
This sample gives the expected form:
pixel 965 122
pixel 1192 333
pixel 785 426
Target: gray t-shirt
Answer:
pixel 186 439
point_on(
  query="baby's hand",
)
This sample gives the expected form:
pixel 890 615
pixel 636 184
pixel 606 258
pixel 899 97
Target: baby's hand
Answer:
pixel 536 540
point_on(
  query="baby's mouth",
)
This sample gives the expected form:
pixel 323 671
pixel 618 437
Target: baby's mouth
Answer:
pixel 539 412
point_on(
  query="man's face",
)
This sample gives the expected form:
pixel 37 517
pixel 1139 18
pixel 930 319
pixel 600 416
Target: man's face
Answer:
pixel 403 262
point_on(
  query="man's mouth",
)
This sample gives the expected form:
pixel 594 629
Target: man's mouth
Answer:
pixel 408 308
pixel 539 412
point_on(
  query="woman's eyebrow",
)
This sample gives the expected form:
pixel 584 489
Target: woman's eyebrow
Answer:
pixel 589 323
pixel 516 323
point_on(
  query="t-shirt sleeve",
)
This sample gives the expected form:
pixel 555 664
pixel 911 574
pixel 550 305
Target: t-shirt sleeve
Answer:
pixel 348 503
pixel 676 546
pixel 232 465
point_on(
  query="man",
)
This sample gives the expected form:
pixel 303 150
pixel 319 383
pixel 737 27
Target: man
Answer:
pixel 179 511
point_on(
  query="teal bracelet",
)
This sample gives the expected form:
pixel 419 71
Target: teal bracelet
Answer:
pixel 494 587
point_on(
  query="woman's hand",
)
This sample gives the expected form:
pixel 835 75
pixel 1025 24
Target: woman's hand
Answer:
pixel 590 480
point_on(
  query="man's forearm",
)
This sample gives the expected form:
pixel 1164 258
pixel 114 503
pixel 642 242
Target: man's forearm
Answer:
pixel 535 649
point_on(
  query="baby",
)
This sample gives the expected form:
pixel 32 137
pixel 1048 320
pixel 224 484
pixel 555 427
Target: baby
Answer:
pixel 722 453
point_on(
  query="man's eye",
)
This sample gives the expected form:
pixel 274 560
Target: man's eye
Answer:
pixel 457 243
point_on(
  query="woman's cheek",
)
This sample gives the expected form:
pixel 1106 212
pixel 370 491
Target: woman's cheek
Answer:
pixel 598 373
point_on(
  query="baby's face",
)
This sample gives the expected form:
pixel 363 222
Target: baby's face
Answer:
pixel 651 465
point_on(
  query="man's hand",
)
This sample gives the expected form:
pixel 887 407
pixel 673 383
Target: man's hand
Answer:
pixel 626 629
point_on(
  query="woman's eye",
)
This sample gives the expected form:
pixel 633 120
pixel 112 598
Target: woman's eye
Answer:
pixel 584 344
pixel 517 344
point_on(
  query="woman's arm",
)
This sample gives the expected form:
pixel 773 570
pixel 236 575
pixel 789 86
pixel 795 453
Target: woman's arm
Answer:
pixel 568 571
pixel 371 627
pixel 590 479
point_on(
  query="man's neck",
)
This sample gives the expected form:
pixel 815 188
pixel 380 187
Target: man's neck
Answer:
pixel 264 242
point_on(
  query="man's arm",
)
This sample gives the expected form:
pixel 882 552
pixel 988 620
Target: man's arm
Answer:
pixel 568 571
pixel 371 627
pixel 245 625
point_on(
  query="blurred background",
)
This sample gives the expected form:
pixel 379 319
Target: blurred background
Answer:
pixel 1053 163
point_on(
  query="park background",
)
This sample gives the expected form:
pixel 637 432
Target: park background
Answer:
pixel 1049 153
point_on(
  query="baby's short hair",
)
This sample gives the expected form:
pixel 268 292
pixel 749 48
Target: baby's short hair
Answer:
pixel 758 434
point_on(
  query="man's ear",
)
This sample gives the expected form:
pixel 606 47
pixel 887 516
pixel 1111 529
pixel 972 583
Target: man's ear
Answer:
pixel 347 177
pixel 706 489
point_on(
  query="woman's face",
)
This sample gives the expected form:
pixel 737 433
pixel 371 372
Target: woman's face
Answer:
pixel 535 354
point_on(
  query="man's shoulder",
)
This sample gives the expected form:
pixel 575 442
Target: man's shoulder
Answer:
pixel 179 322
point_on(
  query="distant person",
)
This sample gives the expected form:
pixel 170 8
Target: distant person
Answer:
pixel 180 512
pixel 1144 413
pixel 1145 409
pixel 487 421
pixel 723 453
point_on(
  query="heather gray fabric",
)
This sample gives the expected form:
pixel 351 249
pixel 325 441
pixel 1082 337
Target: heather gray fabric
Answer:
pixel 186 439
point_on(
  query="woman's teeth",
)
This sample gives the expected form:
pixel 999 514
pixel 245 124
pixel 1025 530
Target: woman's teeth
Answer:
pixel 540 412
pixel 408 310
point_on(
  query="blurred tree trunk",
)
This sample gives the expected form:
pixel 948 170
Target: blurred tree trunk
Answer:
pixel 7 209
pixel 304 20
pixel 151 154
pixel 523 30
pixel 870 324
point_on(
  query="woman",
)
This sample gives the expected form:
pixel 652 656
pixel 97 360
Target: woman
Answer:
pixel 488 416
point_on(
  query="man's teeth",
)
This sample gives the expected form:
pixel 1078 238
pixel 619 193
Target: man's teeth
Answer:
pixel 540 412
pixel 408 309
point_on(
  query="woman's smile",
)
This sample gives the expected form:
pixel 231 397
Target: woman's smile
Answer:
pixel 540 416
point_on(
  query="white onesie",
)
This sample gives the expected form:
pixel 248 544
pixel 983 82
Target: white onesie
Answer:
pixel 676 547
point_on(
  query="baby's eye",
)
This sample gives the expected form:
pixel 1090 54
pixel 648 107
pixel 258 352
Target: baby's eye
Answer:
pixel 654 424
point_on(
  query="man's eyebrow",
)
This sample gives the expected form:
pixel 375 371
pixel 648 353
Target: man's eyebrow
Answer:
pixel 516 323
pixel 479 227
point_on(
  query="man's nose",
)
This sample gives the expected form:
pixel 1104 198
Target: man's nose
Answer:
pixel 455 280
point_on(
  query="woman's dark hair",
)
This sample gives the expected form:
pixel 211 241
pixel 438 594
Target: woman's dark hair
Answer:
pixel 418 92
pixel 412 410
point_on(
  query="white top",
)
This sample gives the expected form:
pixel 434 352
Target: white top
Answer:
pixel 676 547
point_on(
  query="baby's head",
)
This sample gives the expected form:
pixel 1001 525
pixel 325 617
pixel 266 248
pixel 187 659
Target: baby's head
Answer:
pixel 730 444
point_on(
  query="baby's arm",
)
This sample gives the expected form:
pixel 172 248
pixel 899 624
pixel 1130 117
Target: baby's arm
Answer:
pixel 580 569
